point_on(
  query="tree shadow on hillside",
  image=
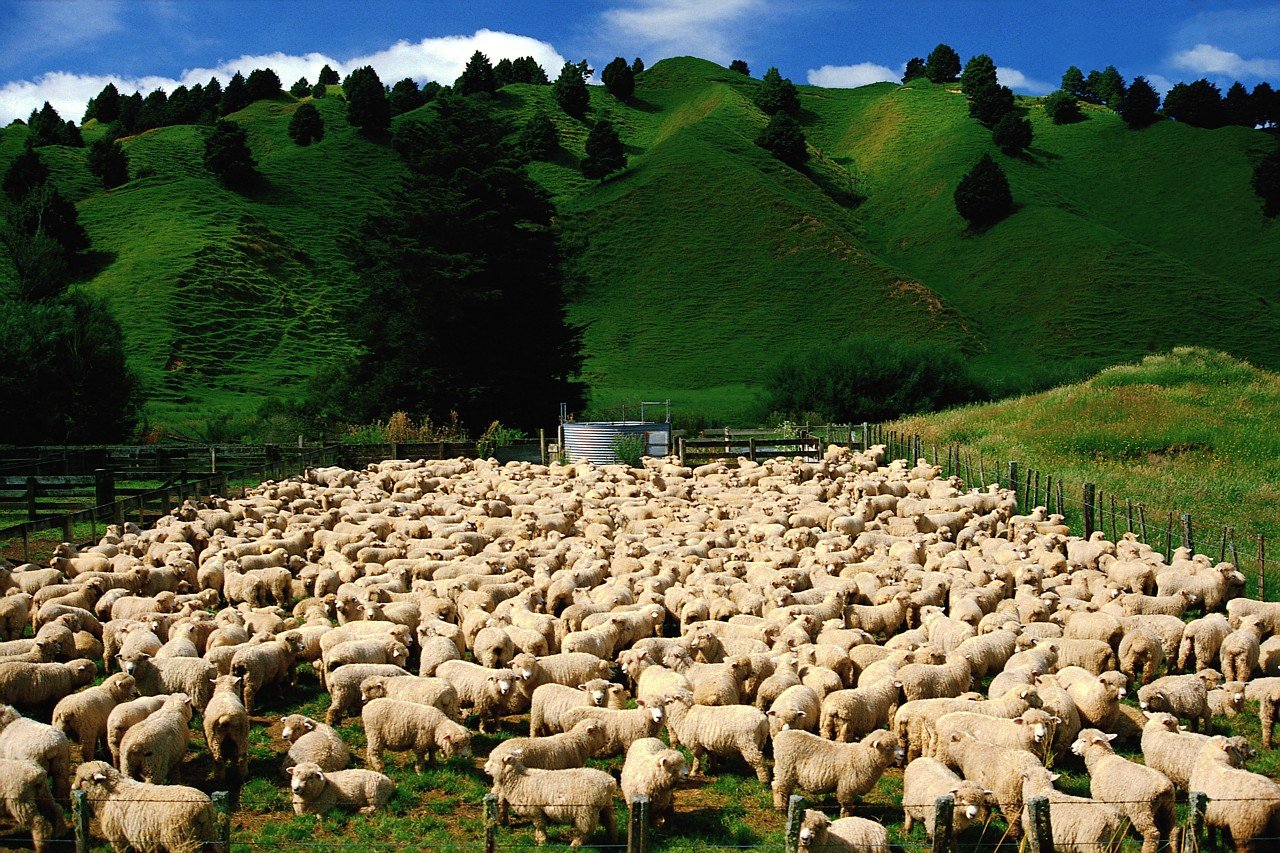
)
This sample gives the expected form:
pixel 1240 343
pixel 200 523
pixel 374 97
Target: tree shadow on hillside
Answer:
pixel 90 264
pixel 979 230
pixel 1038 156
pixel 642 105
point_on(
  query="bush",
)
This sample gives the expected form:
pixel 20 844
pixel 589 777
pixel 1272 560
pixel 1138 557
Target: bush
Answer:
pixel 983 195
pixel 872 379
pixel 1062 108
pixel 227 155
pixel 783 138
pixel 108 161
pixel 1012 134
pixel 570 91
pixel 538 139
pixel 306 126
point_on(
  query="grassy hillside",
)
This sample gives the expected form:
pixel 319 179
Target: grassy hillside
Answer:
pixel 707 260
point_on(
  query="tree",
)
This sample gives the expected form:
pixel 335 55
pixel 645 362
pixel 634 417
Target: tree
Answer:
pixel 406 96
pixel 979 73
pixel 263 84
pixel 525 69
pixel 605 154
pixel 106 106
pixel 983 195
pixel 539 139
pixel 301 88
pixel 740 65
pixel 1238 107
pixel 1073 82
pixel 1140 105
pixel 328 77
pixel 463 271
pixel 306 126
pixel 48 128
pixel 227 156
pixel 154 112
pixel 108 161
pixel 1062 108
pixel 619 79
pixel 1266 183
pixel 777 94
pixel 1266 105
pixel 637 66
pixel 41 233
pixel 25 173
pixel 943 64
pixel 1198 104
pixel 367 105
pixel 916 70
pixel 319 90
pixel 1012 134
pixel 783 138
pixel 477 76
pixel 1106 87
pixel 570 90
pixel 988 105
pixel 235 96
pixel 504 72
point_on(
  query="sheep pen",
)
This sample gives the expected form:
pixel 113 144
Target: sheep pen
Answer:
pixel 845 580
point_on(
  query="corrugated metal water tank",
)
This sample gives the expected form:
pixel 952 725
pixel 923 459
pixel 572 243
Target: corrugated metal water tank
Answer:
pixel 593 440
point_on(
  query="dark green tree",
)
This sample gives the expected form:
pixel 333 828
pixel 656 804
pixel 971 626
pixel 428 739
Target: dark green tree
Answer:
pixel 1266 183
pixel 306 126
pixel 943 64
pixel 42 238
pixel 990 104
pixel 1073 82
pixel 740 65
pixel 301 88
pixel 1140 105
pixel 328 76
pixel 983 195
pixel 916 70
pixel 1266 105
pixel 525 69
pixel 108 161
pixel 130 109
pixel 1062 108
pixel 504 72
pixel 570 91
pixel 154 112
pixel 106 106
pixel 637 66
pixel 263 84
pixel 539 139
pixel 227 156
pixel 979 73
pixel 619 79
pixel 212 99
pixel 1012 134
pixel 25 173
pixel 783 138
pixel 1198 104
pixel 1238 107
pixel 186 105
pixel 235 96
pixel 777 94
pixel 477 76
pixel 461 272
pixel 604 152
pixel 406 96
pixel 367 105
pixel 319 90
pixel 1106 86
pixel 48 128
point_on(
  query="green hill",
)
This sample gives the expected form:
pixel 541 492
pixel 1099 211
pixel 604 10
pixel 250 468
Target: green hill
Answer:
pixel 707 260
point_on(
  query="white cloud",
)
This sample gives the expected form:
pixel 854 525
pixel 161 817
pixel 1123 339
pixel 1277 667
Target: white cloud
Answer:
pixel 708 28
pixel 1161 84
pixel 852 76
pixel 441 59
pixel 1016 80
pixel 1208 59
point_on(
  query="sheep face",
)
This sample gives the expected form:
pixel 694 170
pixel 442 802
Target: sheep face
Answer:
pixel 456 744
pixel 306 779
pixel 295 726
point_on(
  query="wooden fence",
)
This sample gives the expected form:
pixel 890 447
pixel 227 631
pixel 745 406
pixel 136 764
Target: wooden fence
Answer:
pixel 699 451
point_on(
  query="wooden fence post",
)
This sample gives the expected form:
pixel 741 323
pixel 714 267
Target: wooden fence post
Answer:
pixel 1061 509
pixel 542 445
pixel 1114 535
pixel 1142 522
pixel 31 499
pixel 943 808
pixel 866 437
pixel 1198 802
pixel 490 822
pixel 795 816
pixel 80 820
pixel 751 449
pixel 222 805
pixel 1041 837
pixel 1128 508
pixel 1262 567
pixel 68 530
pixel 104 487
pixel 1188 534
pixel 638 826
pixel 1168 539
pixel 1088 509
pixel 1013 478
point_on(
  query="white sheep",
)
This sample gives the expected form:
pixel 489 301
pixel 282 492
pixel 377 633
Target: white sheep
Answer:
pixel 807 761
pixel 652 770
pixel 1182 695
pixel 847 835
pixel 83 716
pixel 1202 641
pixel 1032 730
pixel 708 731
pixel 1246 804
pixel 192 676
pixel 1079 824
pixel 312 742
pixel 996 768
pixel 427 690
pixel 927 779
pixel 1241 648
pixel 580 796
pixel 27 685
pixel 621 727
pixel 26 801
pixel 1141 654
pixel 226 726
pixel 318 792
pixel 152 750
pixel 424 730
pixel 344 687
pixel 125 715
pixel 23 739
pixel 848 715
pixel 797 708
pixel 143 816
pixel 1142 794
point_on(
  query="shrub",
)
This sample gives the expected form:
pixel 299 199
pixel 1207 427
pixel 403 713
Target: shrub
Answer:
pixel 871 379
pixel 538 139
pixel 1062 108
pixel 604 152
pixel 227 155
pixel 777 94
pixel 1012 134
pixel 943 64
pixel 619 79
pixel 783 138
pixel 570 90
pixel 629 448
pixel 306 126
pixel 983 195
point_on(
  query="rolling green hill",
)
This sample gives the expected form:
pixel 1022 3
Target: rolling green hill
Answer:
pixel 707 260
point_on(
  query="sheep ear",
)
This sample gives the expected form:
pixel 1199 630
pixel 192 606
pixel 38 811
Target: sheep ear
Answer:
pixel 801 714
pixel 1020 721
pixel 1053 777
pixel 1112 737
pixel 582 687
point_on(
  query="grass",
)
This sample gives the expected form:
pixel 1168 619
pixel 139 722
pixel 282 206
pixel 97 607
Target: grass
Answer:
pixel 706 260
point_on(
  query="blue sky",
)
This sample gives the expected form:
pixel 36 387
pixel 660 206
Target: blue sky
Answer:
pixel 66 50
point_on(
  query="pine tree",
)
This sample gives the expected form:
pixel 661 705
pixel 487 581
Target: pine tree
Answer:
pixel 1198 104
pixel 570 91
pixel 1107 87
pixel 619 79
pixel 48 128
pixel 319 90
pixel 1140 105
pixel 1062 108
pixel 943 64
pixel 1012 134
pixel 106 106
pixel 227 156
pixel 783 138
pixel 236 96
pixel 637 66
pixel 979 73
pixel 1266 183
pixel 1073 82
pixel 990 104
pixel 504 73
pixel 1238 107
pixel 406 96
pixel 477 76
pixel 740 65
pixel 1266 104
pixel 306 126
pixel 777 94
pixel 367 105
pixel 328 77
pixel 604 152
pixel 916 70
pixel 539 139
pixel 301 88
pixel 983 195
pixel 526 69
pixel 25 173
pixel 108 161
pixel 263 85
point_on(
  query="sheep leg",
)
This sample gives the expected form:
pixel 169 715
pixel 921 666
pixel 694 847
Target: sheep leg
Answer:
pixel 755 757
pixel 610 828
pixel 419 765
pixel 373 753
pixel 539 829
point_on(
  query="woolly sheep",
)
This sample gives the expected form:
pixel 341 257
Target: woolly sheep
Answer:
pixel 433 651
pixel 408 688
pixel 125 715
pixel 1140 655
pixel 1079 824
pixel 344 687
pixel 996 768
pixel 1227 700
pixel 1165 747
pixel 491 693
pixel 797 708
pixel 1097 701
pixel 23 739
pixel 807 761
pixel 1268 610
pixel 848 715
pixel 226 726
pixel 706 732
pixel 565 668
pixel 1246 804
pixel 83 716
pixel 1202 641
pixel 318 792
pixel 267 663
pixel 930 681
pixel 26 801
pixel 580 796
pixel 846 835
pixel 29 685
pixel 396 726
pixel 1032 730
pixel 152 750
pixel 551 701
pixel 621 727
pixel 1142 794
pixel 927 779
pixel 1240 649
pixel 652 770
pixel 170 817
pixel 556 752
pixel 915 724
pixel 192 676
pixel 312 742
pixel 1182 695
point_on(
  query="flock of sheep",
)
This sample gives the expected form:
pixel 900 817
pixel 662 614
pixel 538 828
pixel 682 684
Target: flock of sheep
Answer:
pixel 817 622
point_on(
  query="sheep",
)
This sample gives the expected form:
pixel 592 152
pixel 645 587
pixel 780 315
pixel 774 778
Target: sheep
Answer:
pixel 23 739
pixel 1140 655
pixel 915 723
pixel 390 724
pixel 996 768
pixel 927 779
pixel 556 752
pixel 621 727
pixel 807 761
pixel 930 681
pixel 1227 700
pixel 29 685
pixel 312 742
pixel 226 726
pixel 580 796
pixel 1202 641
pixel 565 668
pixel 652 770
pixel 846 835
pixel 1079 824
pixel 847 715
pixel 1165 747
pixel 318 792
pixel 1032 730
pixel 1182 695
pixel 83 716
pixel 491 693
pixel 1096 700
pixel 1269 611
pixel 152 750
pixel 26 801
pixel 797 708
pixel 551 701
pixel 423 691
pixel 269 662
pixel 147 817
pixel 1143 795
pixel 1240 649
pixel 193 676
pixel 707 731
pixel 125 715
pixel 493 648
pixel 1246 804
pixel 344 687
